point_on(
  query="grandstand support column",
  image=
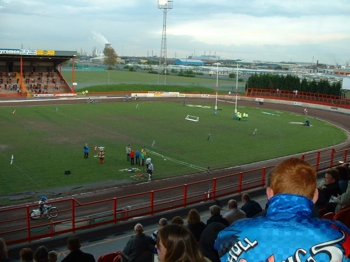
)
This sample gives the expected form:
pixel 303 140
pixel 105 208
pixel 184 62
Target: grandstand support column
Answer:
pixel 21 73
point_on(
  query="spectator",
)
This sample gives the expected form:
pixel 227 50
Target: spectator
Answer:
pixel 176 243
pixel 340 202
pixel 41 254
pixel 207 240
pixel 329 188
pixel 3 250
pixel 194 223
pixel 216 216
pixel 177 220
pixel 343 200
pixel 26 254
pixel 343 178
pixel 250 207
pixel 234 213
pixel 53 256
pixel 137 245
pixel 73 245
pixel 288 232
pixel 162 222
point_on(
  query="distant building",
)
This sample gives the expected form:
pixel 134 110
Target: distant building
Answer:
pixel 193 62
pixel 342 72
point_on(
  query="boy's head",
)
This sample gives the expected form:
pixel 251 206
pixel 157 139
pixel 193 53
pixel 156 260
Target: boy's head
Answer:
pixel 292 176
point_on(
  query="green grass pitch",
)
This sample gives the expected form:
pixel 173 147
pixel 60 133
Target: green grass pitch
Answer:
pixel 48 140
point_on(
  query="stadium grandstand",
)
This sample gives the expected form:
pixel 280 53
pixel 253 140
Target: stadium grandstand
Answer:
pixel 34 73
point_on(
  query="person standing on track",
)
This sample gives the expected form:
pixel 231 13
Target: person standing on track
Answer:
pixel 150 169
pixel 148 161
pixel 128 150
pixel 86 151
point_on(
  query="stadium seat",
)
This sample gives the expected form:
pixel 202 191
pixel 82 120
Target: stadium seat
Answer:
pixel 322 211
pixel 343 216
pixel 108 257
pixel 328 215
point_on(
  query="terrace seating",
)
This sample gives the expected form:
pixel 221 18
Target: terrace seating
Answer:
pixel 343 216
pixel 117 259
pixel 110 257
pixel 33 82
pixel 328 215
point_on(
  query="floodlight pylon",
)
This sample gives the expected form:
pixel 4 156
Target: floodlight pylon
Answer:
pixel 164 6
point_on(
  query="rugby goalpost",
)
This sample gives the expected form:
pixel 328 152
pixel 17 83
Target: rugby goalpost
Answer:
pixel 192 118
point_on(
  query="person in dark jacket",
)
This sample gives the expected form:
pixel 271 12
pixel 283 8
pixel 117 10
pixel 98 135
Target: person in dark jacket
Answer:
pixel 216 216
pixel 207 240
pixel 137 245
pixel 76 255
pixel 329 188
pixel 194 223
pixel 250 207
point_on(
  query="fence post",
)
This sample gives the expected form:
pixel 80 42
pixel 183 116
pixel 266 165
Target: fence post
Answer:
pixel 332 157
pixel 52 227
pixel 345 156
pixel 240 182
pixel 318 161
pixel 115 209
pixel 73 214
pixel 28 224
pixel 152 202
pixel 263 177
pixel 185 195
pixel 213 191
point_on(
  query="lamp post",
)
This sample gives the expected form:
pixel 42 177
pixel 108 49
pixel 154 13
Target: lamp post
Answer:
pixel 217 89
pixel 236 88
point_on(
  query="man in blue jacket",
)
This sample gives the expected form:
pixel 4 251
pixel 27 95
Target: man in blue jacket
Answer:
pixel 287 232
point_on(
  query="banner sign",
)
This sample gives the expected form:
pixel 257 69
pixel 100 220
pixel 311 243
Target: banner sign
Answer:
pixel 26 52
pixel 17 52
pixel 46 52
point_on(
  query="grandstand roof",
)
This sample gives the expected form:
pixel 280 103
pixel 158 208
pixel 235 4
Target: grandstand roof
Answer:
pixel 55 56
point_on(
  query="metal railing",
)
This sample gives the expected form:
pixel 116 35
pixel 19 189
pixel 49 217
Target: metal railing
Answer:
pixel 17 227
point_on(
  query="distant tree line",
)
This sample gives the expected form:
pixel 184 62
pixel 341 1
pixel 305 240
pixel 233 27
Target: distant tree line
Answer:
pixel 289 82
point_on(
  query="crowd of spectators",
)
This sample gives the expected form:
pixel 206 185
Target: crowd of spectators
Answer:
pixel 334 192
pixel 293 196
pixel 35 82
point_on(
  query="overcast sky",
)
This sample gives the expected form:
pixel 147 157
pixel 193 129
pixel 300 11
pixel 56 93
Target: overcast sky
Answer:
pixel 268 30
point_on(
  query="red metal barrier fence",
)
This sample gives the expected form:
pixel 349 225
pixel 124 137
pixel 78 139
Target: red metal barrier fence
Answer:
pixel 17 227
pixel 306 97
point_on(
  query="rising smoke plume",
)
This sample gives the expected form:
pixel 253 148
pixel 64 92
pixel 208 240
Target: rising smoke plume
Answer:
pixel 99 38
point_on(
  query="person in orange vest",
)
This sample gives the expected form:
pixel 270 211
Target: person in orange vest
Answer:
pixel 132 157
